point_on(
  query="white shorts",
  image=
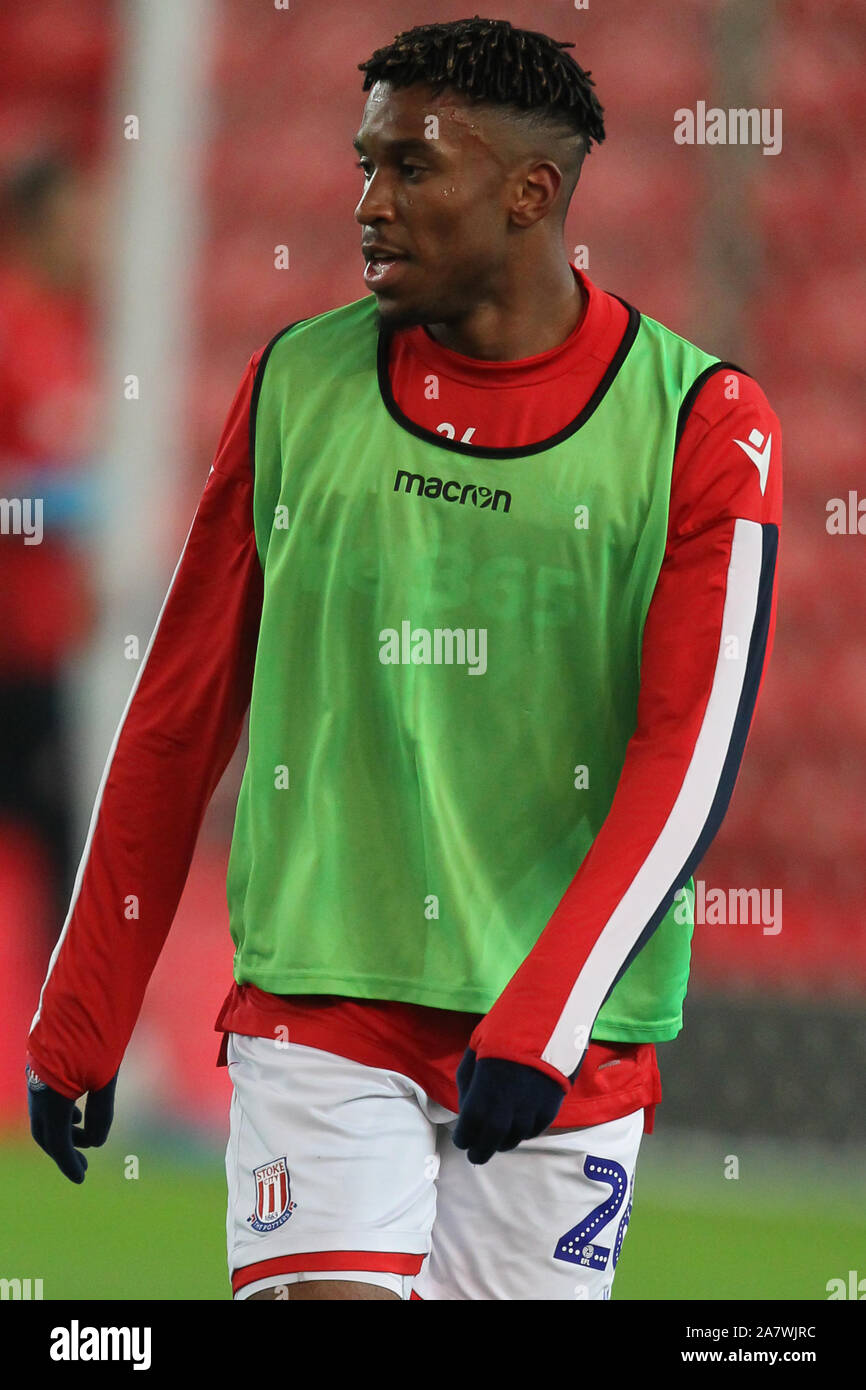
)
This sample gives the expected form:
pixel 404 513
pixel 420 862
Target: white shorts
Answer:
pixel 338 1170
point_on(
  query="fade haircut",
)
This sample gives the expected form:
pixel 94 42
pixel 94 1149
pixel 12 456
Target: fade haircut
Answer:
pixel 526 73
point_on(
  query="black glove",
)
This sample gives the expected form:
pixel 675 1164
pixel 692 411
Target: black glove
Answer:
pixel 502 1103
pixel 53 1115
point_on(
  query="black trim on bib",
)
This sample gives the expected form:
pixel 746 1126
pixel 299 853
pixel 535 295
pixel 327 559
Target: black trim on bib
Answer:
pixel 691 395
pixel 456 446
pixel 257 389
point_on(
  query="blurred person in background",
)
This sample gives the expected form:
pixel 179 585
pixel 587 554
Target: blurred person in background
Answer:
pixel 47 437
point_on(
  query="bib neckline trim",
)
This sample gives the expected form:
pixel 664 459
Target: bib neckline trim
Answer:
pixel 456 446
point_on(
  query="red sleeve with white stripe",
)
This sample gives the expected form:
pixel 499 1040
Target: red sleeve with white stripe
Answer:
pixel 179 729
pixel 708 635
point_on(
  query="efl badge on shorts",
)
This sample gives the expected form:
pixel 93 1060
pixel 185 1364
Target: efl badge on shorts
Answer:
pixel 273 1196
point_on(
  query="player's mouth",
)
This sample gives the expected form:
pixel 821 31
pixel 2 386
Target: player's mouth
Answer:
pixel 384 266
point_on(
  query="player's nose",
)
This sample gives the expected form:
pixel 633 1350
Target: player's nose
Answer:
pixel 376 203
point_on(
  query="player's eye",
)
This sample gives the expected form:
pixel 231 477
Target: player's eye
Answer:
pixel 409 169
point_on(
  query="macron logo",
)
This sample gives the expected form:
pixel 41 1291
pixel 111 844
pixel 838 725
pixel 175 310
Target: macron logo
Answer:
pixel 759 455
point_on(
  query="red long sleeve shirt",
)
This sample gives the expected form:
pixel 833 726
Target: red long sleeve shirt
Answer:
pixel 184 716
